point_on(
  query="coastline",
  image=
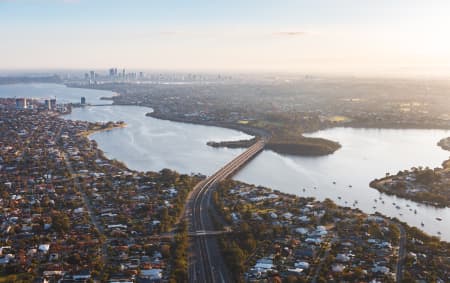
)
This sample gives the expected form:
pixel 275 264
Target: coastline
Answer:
pixel 394 184
pixel 382 126
pixel 107 128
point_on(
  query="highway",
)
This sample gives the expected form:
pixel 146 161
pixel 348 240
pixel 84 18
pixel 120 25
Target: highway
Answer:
pixel 206 263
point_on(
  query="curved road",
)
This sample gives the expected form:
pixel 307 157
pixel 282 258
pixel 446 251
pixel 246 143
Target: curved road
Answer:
pixel 206 263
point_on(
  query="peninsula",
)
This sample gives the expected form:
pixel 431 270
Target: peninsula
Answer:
pixel 423 185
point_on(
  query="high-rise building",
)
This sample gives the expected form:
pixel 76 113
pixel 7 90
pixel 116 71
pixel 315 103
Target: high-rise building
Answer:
pixel 92 75
pixel 53 104
pixel 21 103
pixel 47 104
pixel 111 72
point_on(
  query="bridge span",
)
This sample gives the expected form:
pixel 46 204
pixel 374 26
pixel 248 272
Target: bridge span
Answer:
pixel 206 263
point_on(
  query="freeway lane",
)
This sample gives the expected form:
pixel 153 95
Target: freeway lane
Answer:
pixel 206 263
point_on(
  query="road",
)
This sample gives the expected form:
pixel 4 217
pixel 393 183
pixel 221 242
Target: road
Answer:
pixel 206 263
pixel 334 240
pixel 401 253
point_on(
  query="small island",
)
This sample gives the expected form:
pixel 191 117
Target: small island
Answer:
pixel 423 185
pixel 304 146
pixel 233 144
pixel 445 143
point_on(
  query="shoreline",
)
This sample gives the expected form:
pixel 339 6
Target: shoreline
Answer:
pixel 112 125
pixel 206 124
pixel 423 197
pixel 256 132
pixel 376 184
pixel 304 146
pixel 390 127
pixel 108 128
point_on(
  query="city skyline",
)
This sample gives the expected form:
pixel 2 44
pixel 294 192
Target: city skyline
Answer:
pixel 306 36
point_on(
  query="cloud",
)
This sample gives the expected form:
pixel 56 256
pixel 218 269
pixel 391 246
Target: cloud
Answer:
pixel 291 33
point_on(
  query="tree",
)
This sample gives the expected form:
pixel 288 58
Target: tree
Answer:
pixel 74 259
pixel 60 222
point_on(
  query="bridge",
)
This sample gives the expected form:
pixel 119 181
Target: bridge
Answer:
pixel 206 263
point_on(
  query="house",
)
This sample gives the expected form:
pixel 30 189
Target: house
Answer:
pixel 307 252
pixel 301 264
pixel 82 275
pixel 150 275
pixel 337 267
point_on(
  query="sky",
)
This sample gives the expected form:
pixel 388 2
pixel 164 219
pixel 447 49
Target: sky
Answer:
pixel 357 36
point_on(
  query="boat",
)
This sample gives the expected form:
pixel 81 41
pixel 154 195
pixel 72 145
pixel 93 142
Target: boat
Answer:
pixel 334 182
pixel 349 186
pixel 422 224
pixel 339 197
pixel 438 219
pixel 398 207
pixel 415 211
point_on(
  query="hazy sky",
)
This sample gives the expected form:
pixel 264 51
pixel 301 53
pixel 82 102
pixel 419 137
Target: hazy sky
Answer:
pixel 278 35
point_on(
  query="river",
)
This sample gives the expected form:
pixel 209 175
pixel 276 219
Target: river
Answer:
pixel 151 144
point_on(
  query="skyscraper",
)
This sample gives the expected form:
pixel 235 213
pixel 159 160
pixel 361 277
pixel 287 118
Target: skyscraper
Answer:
pixel 47 104
pixel 21 103
pixel 92 75
pixel 53 104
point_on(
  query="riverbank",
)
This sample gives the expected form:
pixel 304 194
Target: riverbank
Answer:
pixel 261 133
pixel 434 125
pixel 279 141
pixel 422 185
pixel 99 127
